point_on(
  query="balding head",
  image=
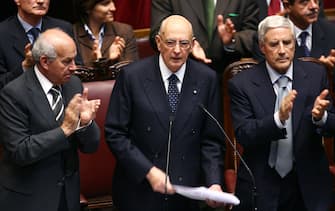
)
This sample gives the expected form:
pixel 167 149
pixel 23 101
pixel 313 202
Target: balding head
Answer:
pixel 176 23
pixel 54 52
pixel 50 42
pixel 175 41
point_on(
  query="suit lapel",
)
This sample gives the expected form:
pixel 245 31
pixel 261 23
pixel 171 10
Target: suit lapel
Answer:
pixel 82 38
pixel 264 89
pixel 20 39
pixel 188 98
pixel 108 38
pixel 156 94
pixel 39 99
pixel 318 41
pixel 299 84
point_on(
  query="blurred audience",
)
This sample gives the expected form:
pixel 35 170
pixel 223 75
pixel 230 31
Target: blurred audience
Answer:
pixel 98 36
pixel 314 35
pixel 19 31
pixel 223 31
pixel 268 7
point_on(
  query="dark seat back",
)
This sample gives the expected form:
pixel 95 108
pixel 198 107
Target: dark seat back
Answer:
pixel 97 169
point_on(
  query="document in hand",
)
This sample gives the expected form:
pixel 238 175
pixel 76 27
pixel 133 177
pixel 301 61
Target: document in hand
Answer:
pixel 203 193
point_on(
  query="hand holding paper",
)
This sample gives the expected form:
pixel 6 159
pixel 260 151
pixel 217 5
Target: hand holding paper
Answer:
pixel 203 193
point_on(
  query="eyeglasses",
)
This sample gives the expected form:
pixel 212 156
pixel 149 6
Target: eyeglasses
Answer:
pixel 183 44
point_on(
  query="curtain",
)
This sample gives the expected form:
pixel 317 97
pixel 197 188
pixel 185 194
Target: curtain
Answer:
pixel 133 12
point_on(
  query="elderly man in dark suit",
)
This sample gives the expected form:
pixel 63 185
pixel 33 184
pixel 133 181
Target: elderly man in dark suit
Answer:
pixel 44 120
pixel 279 110
pixel 19 31
pixel 223 29
pixel 159 121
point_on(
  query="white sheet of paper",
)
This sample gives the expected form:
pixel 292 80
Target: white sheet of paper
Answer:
pixel 203 193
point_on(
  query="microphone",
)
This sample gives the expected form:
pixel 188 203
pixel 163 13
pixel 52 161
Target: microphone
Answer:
pixel 171 119
pixel 254 189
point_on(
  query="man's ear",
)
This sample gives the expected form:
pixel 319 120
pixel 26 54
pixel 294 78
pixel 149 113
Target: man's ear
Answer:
pixel 158 42
pixel 17 2
pixel 44 62
pixel 261 47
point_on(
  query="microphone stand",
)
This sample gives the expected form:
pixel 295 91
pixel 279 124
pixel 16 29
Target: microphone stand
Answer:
pixel 254 189
pixel 171 119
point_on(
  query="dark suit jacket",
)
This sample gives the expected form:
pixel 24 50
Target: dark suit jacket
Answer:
pixel 13 39
pixel 245 25
pixel 137 127
pixel 323 33
pixel 253 104
pixel 84 43
pixel 263 9
pixel 32 170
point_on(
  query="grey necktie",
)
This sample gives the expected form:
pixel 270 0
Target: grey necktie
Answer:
pixel 57 102
pixel 173 93
pixel 281 152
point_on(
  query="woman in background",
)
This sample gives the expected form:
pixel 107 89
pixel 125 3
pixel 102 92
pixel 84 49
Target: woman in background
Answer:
pixel 98 36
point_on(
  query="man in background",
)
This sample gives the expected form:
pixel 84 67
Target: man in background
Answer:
pixel 314 35
pixel 223 29
pixel 18 32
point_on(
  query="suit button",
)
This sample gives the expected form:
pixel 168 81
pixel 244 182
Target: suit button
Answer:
pixel 156 155
pixel 193 132
pixel 180 179
pixel 148 129
pixel 183 157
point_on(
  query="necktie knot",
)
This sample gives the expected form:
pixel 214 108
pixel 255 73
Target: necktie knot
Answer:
pixel 303 36
pixel 282 81
pixel 173 78
pixel 34 32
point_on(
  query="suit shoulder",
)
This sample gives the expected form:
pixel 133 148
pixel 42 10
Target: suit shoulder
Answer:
pixel 312 67
pixel 8 25
pixel 51 22
pixel 200 68
pixel 140 66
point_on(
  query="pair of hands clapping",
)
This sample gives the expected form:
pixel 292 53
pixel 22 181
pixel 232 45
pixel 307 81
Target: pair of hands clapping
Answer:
pixel 79 112
pixel 115 50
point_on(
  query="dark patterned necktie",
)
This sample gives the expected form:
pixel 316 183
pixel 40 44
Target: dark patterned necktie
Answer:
pixel 34 32
pixel 303 36
pixel 57 102
pixel 173 93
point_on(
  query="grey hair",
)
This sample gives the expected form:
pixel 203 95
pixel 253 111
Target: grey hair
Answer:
pixel 43 47
pixel 271 22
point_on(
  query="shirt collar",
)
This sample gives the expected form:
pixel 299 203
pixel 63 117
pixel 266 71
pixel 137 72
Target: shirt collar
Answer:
pixel 297 31
pixel 90 33
pixel 26 26
pixel 165 72
pixel 274 75
pixel 44 81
